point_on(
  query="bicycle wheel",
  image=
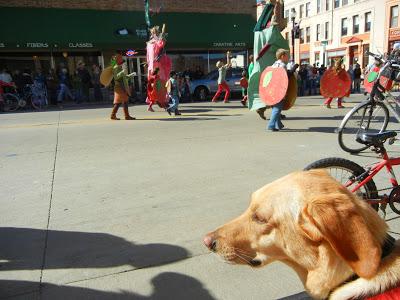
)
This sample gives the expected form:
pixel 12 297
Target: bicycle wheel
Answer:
pixel 10 102
pixel 368 117
pixel 342 169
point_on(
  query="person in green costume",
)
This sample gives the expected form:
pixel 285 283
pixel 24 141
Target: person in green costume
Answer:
pixel 121 87
pixel 267 40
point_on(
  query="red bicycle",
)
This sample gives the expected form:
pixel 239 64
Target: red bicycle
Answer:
pixel 360 180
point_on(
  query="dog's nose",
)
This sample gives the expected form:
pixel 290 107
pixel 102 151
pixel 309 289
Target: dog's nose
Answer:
pixel 210 242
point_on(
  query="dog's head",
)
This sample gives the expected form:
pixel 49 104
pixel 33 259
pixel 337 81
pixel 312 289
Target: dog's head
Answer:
pixel 310 222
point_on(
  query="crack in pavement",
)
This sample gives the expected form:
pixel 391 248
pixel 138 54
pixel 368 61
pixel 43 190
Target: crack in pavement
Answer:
pixel 50 202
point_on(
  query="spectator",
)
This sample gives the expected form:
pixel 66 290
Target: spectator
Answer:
pixel 311 81
pixel 64 87
pixel 26 77
pixel 321 70
pixel 251 66
pixel 40 77
pixel 5 76
pixel 303 75
pixel 357 79
pixel 350 71
pixel 187 72
pixel 85 79
pixel 174 94
pixel 199 73
pixel 186 89
pixel 52 86
pixel 96 83
pixel 19 81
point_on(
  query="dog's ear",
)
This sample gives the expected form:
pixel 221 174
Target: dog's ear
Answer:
pixel 335 218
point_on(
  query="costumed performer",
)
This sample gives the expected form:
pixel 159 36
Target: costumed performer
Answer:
pixel 275 122
pixel 222 84
pixel 336 78
pixel 157 58
pixel 121 86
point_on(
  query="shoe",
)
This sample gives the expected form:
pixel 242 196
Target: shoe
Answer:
pixel 283 117
pixel 328 106
pixel 273 129
pixel 177 113
pixel 226 101
pixel 168 111
pixel 114 118
pixel 150 109
pixel 261 114
pixel 243 103
pixel 129 118
pixel 126 113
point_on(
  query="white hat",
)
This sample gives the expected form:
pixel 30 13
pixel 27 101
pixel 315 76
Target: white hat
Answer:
pixel 396 46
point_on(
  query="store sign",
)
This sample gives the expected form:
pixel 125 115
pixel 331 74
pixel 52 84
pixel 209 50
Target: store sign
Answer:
pixel 395 32
pixel 142 33
pixel 229 44
pixel 80 45
pixel 37 45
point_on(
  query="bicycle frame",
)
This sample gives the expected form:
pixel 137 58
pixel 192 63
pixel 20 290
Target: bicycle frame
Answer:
pixel 387 163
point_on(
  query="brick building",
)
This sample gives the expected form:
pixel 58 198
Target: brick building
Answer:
pixel 48 33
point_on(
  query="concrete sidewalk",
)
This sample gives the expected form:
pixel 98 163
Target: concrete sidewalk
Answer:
pixel 100 209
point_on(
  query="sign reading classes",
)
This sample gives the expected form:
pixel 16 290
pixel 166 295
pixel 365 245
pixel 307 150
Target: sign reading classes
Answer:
pixel 46 45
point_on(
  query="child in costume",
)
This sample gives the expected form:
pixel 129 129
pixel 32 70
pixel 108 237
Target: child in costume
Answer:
pixel 337 67
pixel 275 123
pixel 222 85
pixel 121 87
pixel 174 94
pixel 152 82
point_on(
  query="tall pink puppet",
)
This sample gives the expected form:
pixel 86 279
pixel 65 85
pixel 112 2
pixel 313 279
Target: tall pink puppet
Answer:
pixel 157 58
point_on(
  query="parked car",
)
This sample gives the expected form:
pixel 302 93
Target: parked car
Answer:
pixel 206 86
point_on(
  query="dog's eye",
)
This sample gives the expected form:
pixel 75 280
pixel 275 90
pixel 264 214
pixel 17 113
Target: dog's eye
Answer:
pixel 258 219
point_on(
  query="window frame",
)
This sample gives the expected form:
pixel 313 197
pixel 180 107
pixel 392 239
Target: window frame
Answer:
pixel 326 32
pixel 308 35
pixel 367 25
pixel 392 25
pixel 318 32
pixel 354 24
pixel 342 22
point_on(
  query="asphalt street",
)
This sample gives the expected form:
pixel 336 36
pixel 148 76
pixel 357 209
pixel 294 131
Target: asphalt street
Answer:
pixel 99 209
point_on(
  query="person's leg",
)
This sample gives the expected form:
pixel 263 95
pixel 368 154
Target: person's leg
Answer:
pixel 227 92
pixel 69 93
pixel 172 104
pixel 328 102
pixel 177 112
pixel 219 91
pixel 114 111
pixel 61 93
pixel 261 112
pixel 126 112
pixel 339 103
pixel 274 121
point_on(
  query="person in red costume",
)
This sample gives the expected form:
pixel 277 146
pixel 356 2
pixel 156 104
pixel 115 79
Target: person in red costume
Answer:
pixel 153 81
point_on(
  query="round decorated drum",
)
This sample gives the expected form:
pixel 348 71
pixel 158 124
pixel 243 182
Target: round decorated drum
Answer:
pixel 291 94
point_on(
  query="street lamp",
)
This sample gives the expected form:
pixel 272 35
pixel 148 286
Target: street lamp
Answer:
pixel 293 18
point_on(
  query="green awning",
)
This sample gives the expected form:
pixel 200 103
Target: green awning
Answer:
pixel 67 29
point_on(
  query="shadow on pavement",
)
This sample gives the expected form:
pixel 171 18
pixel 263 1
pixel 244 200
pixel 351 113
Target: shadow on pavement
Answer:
pixel 178 119
pixel 166 285
pixel 289 118
pixel 22 249
pixel 312 129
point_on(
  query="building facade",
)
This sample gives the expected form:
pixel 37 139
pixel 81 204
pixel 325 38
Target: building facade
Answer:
pixel 332 29
pixel 392 25
pixel 50 34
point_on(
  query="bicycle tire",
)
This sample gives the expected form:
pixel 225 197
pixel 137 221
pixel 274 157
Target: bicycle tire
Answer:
pixel 355 169
pixel 360 111
pixel 10 102
pixel 394 208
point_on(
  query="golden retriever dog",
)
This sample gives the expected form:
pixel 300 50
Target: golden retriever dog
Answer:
pixel 333 240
